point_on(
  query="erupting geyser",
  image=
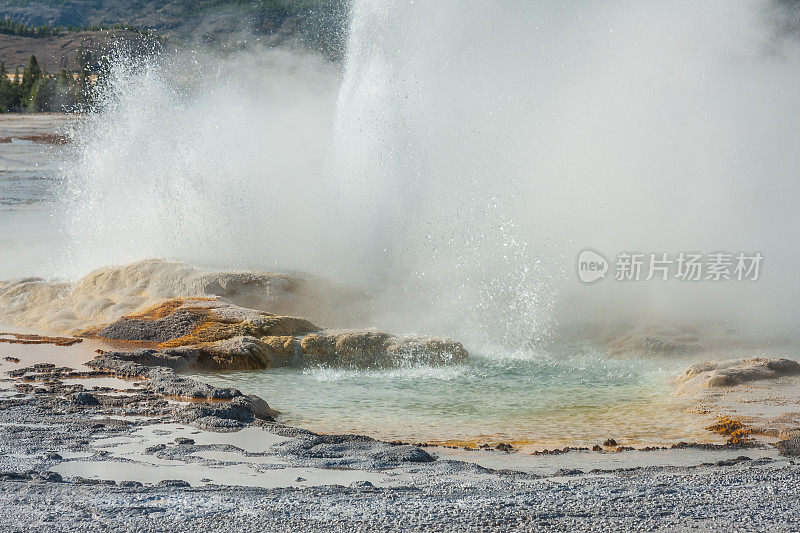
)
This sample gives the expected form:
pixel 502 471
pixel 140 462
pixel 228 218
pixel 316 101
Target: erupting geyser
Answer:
pixel 460 159
pixel 447 174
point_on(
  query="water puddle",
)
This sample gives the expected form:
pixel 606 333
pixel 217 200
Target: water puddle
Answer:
pixel 235 475
pixel 546 465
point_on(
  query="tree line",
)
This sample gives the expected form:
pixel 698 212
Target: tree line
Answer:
pixel 34 90
pixel 23 29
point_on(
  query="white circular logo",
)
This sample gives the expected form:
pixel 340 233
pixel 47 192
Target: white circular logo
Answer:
pixel 591 266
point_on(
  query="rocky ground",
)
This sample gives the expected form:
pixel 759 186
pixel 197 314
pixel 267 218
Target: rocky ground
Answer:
pixel 81 451
pixel 739 497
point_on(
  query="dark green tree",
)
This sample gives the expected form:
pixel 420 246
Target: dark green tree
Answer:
pixel 65 77
pixel 9 91
pixel 44 95
pixel 82 89
pixel 5 89
pixel 30 77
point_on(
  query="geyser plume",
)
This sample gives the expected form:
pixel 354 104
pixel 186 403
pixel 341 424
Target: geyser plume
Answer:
pixel 460 159
pixel 209 159
pixel 654 127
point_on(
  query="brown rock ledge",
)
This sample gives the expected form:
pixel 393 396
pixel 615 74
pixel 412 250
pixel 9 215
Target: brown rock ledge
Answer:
pixel 211 334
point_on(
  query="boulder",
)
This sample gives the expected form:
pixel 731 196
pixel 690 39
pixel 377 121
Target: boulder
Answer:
pixel 374 348
pixel 204 334
pixel 714 374
pixel 84 398
pixel 404 454
pixel 790 447
pixel 208 334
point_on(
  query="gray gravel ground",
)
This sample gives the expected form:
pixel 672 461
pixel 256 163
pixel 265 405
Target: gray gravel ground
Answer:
pixel 43 424
pixel 717 499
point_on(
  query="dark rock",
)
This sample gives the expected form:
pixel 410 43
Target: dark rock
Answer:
pixel 113 423
pixel 610 442
pixel 84 398
pixel 404 454
pixel 53 455
pixel 763 461
pixel 150 357
pixel 54 477
pixel 154 448
pixel 504 447
pixel 129 484
pixel 159 370
pixel 733 461
pixel 177 324
pixel 173 483
pixel 172 385
pixel 184 440
pixel 89 481
pixel 568 472
pixel 790 447
pixel 361 485
pixel 597 448
pixel 260 408
pixel 215 423
pixel 240 409
pixel 14 476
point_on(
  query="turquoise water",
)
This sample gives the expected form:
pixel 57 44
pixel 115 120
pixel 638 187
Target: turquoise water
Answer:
pixel 573 396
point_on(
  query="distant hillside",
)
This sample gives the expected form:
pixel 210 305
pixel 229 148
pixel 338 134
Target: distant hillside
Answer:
pixel 317 24
pixel 61 51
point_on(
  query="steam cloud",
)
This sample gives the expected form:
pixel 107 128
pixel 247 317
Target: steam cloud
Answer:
pixel 461 157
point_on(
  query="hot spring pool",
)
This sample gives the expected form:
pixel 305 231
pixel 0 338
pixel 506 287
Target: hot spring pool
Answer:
pixel 574 396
